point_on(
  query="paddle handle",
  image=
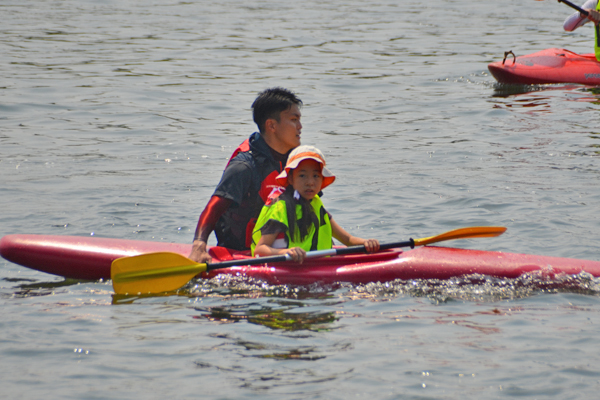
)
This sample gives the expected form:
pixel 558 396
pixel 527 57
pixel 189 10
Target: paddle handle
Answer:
pixel 581 10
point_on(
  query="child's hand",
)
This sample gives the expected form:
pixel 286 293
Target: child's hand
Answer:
pixel 371 245
pixel 298 254
pixel 593 16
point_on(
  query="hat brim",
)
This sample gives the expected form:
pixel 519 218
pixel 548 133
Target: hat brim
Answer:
pixel 328 177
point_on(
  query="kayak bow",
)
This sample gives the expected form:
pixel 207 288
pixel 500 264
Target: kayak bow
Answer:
pixel 547 66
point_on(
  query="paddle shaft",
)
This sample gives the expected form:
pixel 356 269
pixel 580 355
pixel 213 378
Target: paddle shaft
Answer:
pixel 581 10
pixel 248 261
pixel 310 254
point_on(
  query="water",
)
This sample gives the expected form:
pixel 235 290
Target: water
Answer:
pixel 116 120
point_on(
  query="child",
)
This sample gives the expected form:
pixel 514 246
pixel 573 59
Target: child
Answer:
pixel 296 221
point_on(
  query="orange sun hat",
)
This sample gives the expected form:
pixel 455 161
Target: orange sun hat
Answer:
pixel 300 154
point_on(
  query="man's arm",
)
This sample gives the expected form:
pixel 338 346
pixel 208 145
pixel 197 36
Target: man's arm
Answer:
pixel 206 224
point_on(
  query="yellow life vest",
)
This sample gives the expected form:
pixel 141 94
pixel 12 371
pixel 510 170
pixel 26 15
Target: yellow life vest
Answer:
pixel 321 239
pixel 597 35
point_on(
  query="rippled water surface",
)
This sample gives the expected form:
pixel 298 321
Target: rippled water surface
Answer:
pixel 117 118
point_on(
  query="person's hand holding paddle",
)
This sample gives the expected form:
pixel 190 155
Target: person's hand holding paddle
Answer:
pixel 199 252
pixel 297 254
pixel 592 15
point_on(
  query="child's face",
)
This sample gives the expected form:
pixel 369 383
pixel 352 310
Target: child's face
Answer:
pixel 307 178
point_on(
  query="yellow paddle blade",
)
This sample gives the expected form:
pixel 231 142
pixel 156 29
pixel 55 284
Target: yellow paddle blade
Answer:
pixel 463 233
pixel 153 273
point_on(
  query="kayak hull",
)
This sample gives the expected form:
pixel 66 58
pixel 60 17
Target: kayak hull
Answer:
pixel 548 66
pixel 90 258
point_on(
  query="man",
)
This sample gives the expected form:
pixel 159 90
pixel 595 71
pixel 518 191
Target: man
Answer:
pixel 250 175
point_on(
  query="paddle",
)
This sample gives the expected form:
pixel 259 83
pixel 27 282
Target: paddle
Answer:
pixel 581 10
pixel 164 272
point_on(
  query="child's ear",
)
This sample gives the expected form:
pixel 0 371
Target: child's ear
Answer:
pixel 289 178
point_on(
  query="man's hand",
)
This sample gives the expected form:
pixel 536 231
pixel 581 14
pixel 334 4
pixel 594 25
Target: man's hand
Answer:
pixel 199 253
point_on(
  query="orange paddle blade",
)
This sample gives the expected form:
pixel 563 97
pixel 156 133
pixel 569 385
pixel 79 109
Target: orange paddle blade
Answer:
pixel 463 233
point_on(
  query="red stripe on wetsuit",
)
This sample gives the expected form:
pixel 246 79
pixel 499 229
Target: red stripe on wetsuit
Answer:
pixel 208 219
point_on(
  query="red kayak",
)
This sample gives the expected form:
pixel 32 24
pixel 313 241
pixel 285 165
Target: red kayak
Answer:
pixel 90 258
pixel 547 66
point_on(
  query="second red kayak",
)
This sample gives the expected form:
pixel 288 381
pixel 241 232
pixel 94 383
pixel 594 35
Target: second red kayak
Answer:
pixel 547 66
pixel 90 258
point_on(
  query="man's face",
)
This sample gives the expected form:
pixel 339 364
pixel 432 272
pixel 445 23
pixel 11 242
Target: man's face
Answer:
pixel 287 131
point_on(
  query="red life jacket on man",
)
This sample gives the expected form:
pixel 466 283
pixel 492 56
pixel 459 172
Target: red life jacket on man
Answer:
pixel 248 179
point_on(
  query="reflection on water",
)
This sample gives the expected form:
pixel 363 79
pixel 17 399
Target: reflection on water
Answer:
pixel 273 318
pixel 535 100
pixel 568 92
pixel 36 289
pixel 130 299
pixel 593 90
pixel 507 90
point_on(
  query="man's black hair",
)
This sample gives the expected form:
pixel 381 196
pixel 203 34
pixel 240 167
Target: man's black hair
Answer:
pixel 270 103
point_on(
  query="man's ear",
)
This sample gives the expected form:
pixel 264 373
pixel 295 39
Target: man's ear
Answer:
pixel 270 125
